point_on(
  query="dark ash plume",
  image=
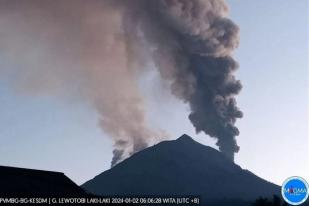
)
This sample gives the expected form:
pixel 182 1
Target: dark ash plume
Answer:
pixel 97 49
pixel 117 155
pixel 192 43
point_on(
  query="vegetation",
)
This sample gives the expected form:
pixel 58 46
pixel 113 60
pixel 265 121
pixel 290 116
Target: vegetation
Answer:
pixel 276 201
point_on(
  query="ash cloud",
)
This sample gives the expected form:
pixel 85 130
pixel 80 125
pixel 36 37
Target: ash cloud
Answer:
pixel 191 44
pixel 97 50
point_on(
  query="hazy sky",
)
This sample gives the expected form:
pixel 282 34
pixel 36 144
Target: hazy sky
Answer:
pixel 45 132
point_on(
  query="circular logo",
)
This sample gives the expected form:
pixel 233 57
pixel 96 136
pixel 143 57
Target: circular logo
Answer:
pixel 294 190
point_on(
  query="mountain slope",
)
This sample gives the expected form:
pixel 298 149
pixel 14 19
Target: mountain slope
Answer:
pixel 180 167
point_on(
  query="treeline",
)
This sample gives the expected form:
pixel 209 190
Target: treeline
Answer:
pixel 275 201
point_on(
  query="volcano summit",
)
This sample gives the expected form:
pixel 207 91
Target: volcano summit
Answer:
pixel 181 167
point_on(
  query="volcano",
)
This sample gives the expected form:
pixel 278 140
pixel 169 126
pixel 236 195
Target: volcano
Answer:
pixel 181 167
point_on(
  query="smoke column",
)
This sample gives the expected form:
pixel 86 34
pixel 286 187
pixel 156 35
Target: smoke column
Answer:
pixel 97 50
pixel 191 43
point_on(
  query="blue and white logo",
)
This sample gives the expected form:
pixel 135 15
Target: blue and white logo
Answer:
pixel 294 190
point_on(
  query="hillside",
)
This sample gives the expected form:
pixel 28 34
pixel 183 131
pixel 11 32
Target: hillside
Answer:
pixel 181 167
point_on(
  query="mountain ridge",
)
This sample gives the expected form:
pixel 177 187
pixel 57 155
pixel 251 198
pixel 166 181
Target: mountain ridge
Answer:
pixel 180 167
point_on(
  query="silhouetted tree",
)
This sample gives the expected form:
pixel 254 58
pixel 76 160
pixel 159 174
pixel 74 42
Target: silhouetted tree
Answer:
pixel 262 202
pixel 276 201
